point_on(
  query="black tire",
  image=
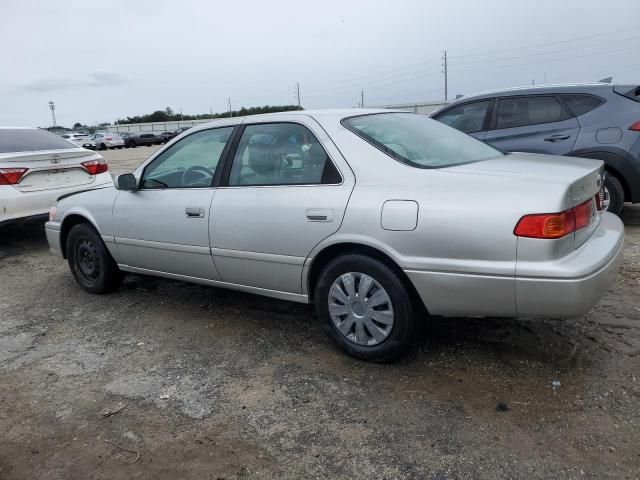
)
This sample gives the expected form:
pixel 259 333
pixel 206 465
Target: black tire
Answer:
pixel 103 146
pixel 132 144
pixel 90 262
pixel 616 193
pixel 400 337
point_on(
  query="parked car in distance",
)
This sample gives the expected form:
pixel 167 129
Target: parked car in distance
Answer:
pixel 36 167
pixel 164 137
pixel 374 216
pixel 79 139
pixel 105 140
pixel 600 121
pixel 180 130
pixel 135 139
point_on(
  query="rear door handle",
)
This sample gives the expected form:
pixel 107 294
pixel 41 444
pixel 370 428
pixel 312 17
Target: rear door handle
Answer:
pixel 555 138
pixel 194 212
pixel 319 215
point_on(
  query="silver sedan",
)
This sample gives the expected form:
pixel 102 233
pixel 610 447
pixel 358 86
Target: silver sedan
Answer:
pixel 379 218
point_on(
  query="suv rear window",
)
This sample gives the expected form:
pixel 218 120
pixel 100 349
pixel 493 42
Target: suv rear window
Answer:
pixel 581 104
pixel 632 92
pixel 419 141
pixel 31 140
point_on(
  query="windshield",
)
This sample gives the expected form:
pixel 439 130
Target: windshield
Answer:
pixel 30 140
pixel 418 140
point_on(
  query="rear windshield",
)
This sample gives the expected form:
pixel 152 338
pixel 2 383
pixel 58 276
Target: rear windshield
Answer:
pixel 30 140
pixel 632 92
pixel 418 140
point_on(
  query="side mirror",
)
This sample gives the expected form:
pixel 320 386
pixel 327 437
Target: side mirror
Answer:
pixel 126 181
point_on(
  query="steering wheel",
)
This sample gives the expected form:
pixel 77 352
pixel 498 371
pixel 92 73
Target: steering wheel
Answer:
pixel 200 171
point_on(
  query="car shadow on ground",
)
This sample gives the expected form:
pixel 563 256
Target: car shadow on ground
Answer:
pixel 20 238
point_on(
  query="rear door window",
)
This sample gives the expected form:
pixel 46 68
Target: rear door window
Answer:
pixel 31 140
pixel 468 118
pixel 581 104
pixel 523 111
pixel 281 154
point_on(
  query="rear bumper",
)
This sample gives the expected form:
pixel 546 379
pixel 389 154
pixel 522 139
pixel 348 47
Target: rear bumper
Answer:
pixel 579 280
pixel 563 288
pixel 16 205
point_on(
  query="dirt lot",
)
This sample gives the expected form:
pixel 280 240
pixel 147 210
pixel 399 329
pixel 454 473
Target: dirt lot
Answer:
pixel 169 380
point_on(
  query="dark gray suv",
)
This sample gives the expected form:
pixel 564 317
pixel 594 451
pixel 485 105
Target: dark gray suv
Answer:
pixel 597 120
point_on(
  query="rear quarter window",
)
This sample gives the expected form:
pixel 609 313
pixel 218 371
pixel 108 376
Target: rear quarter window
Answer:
pixel 580 104
pixel 31 140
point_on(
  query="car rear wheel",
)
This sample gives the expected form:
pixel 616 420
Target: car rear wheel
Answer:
pixel 613 194
pixel 90 262
pixel 365 307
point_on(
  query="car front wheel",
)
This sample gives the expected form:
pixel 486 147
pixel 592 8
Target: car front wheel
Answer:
pixel 90 262
pixel 365 307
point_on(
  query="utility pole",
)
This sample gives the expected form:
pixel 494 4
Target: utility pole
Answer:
pixel 52 106
pixel 229 102
pixel 298 92
pixel 444 70
pixel 362 98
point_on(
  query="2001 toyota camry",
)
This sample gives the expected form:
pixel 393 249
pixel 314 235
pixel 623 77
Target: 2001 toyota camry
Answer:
pixel 369 214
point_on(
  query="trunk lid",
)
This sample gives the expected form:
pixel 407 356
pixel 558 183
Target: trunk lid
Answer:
pixel 581 179
pixel 50 169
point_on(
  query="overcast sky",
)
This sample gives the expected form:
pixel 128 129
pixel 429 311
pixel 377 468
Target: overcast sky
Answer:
pixel 100 61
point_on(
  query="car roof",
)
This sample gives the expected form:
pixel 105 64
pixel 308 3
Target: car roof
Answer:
pixel 537 89
pixel 326 115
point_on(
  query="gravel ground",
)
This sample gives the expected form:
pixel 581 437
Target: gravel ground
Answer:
pixel 169 380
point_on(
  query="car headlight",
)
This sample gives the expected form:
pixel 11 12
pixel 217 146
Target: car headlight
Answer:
pixel 52 213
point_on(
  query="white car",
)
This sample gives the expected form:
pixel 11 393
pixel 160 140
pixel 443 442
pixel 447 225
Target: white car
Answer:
pixel 102 141
pixel 80 139
pixel 37 167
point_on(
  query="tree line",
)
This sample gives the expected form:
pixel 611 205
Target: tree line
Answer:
pixel 169 115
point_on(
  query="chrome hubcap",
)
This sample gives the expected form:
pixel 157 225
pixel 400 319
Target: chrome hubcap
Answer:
pixel 360 309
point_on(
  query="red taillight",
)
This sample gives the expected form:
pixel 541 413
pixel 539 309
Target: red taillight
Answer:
pixel 554 225
pixel 546 225
pixel 94 167
pixel 635 126
pixel 11 176
pixel 108 138
pixel 582 214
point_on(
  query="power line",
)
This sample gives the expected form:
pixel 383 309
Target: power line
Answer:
pixel 413 67
pixel 546 44
pixel 537 54
pixel 547 60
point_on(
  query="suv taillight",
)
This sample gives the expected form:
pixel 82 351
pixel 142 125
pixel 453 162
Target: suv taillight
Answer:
pixel 635 126
pixel 94 167
pixel 554 225
pixel 11 176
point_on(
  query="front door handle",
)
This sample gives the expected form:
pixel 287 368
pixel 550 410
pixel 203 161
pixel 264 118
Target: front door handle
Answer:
pixel 555 138
pixel 194 212
pixel 319 215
